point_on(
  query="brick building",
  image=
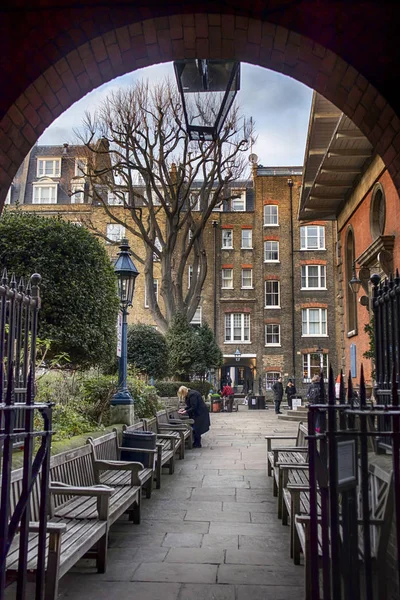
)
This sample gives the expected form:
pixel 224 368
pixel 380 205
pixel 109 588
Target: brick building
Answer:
pixel 346 181
pixel 269 292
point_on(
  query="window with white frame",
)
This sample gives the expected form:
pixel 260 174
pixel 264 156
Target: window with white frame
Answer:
pixel 190 274
pixel 312 366
pixel 48 167
pixel 196 317
pixel 155 285
pixel 157 244
pixel 247 278
pixel 115 232
pixel 270 378
pixel 239 204
pixel 227 238
pixel 77 193
pixel 313 277
pixel 237 327
pixel 272 334
pixel 80 167
pixel 271 217
pixel 194 200
pixel 313 321
pixel 227 279
pixel 247 238
pixel 272 294
pixel 115 198
pixel 45 193
pixel 312 237
pixel 271 251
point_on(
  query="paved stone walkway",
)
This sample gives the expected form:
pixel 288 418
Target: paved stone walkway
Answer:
pixel 210 533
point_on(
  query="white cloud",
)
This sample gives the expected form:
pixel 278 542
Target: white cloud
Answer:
pixel 279 105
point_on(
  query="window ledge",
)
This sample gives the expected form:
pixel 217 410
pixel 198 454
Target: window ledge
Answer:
pixel 245 248
pixel 227 248
pixel 320 289
pixel 314 335
pixel 275 262
pixel 273 345
pixel 271 225
pixel 227 288
pixel 312 249
pixel 237 342
pixel 272 307
pixel 247 288
pixel 352 333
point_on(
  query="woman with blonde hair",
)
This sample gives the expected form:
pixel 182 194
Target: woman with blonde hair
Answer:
pixel 197 410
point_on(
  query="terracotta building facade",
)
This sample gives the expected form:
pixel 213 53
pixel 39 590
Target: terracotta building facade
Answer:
pixel 269 293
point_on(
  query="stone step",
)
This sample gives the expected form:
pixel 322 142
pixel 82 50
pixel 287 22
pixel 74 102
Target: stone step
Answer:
pixel 292 416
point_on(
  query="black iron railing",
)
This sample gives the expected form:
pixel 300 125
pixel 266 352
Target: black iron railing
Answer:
pixel 343 516
pixel 386 311
pixel 19 307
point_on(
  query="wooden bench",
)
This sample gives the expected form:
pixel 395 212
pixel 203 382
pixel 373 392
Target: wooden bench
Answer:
pixel 165 448
pixel 154 425
pixel 381 515
pixel 296 454
pixel 69 538
pixel 106 449
pixel 183 426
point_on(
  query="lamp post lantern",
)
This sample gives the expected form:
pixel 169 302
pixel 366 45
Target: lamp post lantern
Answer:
pixel 204 123
pixel 126 273
pixel 238 354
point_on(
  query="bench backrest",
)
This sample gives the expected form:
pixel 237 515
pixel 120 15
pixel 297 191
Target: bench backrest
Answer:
pixel 16 491
pixel 151 424
pixel 301 435
pixel 162 417
pixel 139 426
pixel 105 447
pixel 74 467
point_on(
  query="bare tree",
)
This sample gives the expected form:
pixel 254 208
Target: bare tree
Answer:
pixel 138 150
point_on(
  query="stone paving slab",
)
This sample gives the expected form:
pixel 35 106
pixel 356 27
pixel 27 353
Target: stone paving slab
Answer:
pixel 210 533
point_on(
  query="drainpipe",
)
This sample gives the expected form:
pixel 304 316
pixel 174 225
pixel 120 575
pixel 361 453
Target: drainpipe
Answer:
pixel 290 184
pixel 215 225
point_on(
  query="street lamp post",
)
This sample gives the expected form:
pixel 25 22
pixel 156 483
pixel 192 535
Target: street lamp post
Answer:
pixel 238 354
pixel 124 268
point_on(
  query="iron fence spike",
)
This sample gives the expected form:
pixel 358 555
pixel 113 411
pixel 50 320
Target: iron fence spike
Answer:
pixel 13 282
pixel 4 277
pixel 363 398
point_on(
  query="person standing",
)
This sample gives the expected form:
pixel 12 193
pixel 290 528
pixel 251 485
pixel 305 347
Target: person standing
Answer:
pixel 314 397
pixel 197 410
pixel 277 388
pixel 290 392
pixel 228 396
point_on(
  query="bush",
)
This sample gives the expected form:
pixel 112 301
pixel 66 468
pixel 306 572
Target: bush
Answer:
pixel 170 388
pixel 78 288
pixel 147 350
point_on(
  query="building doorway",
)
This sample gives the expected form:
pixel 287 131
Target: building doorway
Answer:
pixel 241 377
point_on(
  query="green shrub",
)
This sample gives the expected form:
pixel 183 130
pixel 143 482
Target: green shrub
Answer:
pixel 170 388
pixel 97 391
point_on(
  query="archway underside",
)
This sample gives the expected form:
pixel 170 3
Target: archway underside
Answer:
pixel 124 49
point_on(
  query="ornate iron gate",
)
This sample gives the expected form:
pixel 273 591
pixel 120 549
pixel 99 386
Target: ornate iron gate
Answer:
pixel 19 308
pixel 349 505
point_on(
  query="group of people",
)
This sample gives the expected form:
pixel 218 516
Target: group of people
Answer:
pixel 290 392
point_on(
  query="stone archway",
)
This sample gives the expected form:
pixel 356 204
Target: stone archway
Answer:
pixel 90 46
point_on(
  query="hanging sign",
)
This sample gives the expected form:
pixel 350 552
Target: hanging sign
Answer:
pixel 119 335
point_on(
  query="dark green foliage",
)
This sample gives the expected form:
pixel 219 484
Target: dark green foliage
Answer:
pixel 182 347
pixel 168 389
pixel 369 329
pixel 78 288
pixel 209 356
pixel 147 350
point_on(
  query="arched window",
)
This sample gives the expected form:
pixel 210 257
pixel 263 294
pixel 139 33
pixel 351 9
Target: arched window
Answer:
pixel 351 297
pixel 378 211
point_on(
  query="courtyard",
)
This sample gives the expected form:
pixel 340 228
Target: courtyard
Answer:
pixel 210 532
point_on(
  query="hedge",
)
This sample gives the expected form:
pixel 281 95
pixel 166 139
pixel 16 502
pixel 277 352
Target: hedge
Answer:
pixel 167 389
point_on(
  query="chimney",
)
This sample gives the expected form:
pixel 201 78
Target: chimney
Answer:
pixel 65 151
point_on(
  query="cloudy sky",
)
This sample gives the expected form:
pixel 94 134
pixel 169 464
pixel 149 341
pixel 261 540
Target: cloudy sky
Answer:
pixel 279 105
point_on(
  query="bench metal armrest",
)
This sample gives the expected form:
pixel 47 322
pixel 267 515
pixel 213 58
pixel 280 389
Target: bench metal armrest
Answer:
pixel 121 465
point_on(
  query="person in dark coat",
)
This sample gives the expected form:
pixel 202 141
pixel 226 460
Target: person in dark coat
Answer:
pixel 277 388
pixel 197 410
pixel 314 397
pixel 290 392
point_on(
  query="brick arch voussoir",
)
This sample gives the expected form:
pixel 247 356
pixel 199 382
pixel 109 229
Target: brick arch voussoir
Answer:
pixel 152 41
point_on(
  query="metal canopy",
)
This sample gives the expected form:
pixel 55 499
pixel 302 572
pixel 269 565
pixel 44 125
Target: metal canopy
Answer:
pixel 221 79
pixel 336 154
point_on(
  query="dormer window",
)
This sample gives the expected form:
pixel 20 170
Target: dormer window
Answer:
pixel 44 193
pixel 80 167
pixel 48 167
